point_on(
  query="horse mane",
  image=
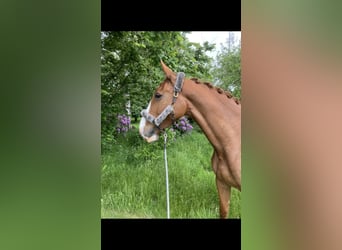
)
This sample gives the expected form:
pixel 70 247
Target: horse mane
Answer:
pixel 218 89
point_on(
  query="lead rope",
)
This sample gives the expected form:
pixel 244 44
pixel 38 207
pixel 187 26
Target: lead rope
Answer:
pixel 167 177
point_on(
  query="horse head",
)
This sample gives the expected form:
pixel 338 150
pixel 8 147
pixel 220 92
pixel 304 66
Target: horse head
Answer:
pixel 166 106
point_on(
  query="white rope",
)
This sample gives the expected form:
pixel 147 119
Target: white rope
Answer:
pixel 167 178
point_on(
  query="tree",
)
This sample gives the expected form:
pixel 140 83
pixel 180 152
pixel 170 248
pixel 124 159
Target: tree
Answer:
pixel 130 69
pixel 227 73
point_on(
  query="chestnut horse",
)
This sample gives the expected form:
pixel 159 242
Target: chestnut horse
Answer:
pixel 218 114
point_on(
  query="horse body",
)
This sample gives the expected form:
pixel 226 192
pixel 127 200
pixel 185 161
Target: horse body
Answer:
pixel 219 116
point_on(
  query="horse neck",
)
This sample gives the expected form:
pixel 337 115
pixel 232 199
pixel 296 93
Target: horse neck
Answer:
pixel 214 112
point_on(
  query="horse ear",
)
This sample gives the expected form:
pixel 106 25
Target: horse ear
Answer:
pixel 168 72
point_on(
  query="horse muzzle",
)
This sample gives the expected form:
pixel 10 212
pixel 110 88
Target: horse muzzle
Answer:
pixel 148 132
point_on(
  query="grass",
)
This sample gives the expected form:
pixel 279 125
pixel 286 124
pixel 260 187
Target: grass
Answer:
pixel 133 179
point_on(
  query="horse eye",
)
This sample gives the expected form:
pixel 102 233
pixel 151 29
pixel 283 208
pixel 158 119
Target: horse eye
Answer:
pixel 157 95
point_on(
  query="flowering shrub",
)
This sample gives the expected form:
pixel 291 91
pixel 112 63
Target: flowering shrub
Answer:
pixel 124 123
pixel 183 125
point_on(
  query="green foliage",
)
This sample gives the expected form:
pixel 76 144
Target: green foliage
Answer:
pixel 130 69
pixel 107 142
pixel 133 179
pixel 227 73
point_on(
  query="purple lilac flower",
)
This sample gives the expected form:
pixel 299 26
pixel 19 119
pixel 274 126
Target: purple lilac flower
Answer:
pixel 123 123
pixel 183 125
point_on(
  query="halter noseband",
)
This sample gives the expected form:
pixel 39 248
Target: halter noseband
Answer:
pixel 169 109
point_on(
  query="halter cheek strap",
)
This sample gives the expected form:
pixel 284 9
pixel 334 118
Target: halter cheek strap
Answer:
pixel 169 109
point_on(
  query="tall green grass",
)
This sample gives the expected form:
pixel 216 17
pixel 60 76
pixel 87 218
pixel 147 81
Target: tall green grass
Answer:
pixel 133 179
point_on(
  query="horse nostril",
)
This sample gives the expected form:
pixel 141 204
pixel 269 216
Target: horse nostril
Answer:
pixel 150 132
